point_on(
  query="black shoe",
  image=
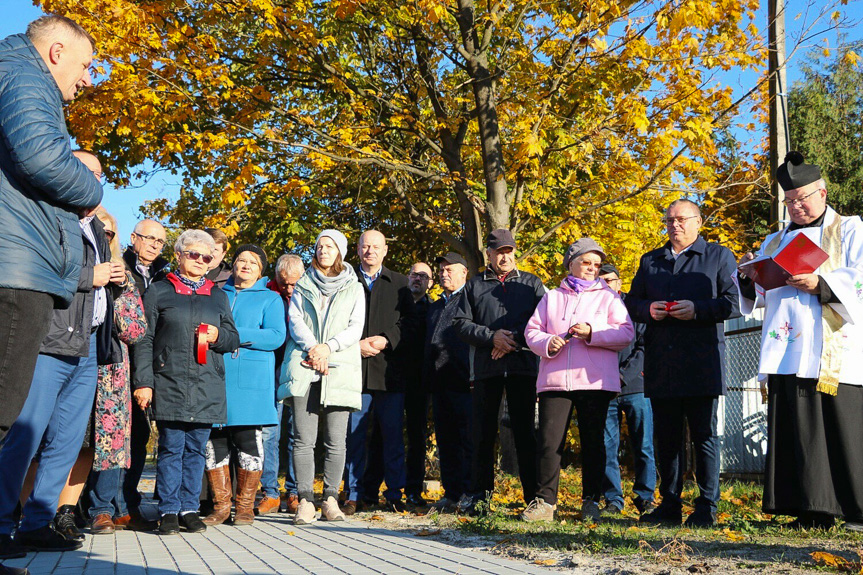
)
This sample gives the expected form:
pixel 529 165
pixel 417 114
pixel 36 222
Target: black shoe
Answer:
pixel 45 539
pixel 14 570
pixel 812 521
pixel 644 506
pixel 192 522
pixel 612 509
pixel 396 505
pixel 416 500
pixel 663 515
pixel 169 525
pixel 64 523
pixel 11 549
pixel 701 517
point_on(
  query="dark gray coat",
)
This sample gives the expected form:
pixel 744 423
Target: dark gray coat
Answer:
pixel 447 357
pixel 184 390
pixel 685 358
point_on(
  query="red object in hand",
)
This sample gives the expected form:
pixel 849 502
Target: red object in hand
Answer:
pixel 669 305
pixel 201 343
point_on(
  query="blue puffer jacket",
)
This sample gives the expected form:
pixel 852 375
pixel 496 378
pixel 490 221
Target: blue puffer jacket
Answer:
pixel 260 318
pixel 42 185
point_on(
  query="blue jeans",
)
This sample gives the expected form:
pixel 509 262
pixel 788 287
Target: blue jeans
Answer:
pixel 700 413
pixel 106 493
pixel 639 422
pixel 386 410
pixel 54 415
pixel 180 466
pixel 271 437
pixel 452 422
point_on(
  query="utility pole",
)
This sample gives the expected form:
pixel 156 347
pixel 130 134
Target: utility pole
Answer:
pixel 778 107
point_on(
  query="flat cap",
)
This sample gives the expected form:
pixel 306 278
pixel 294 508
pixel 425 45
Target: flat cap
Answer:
pixel 795 172
pixel 500 238
pixel 581 247
pixel 451 258
pixel 608 268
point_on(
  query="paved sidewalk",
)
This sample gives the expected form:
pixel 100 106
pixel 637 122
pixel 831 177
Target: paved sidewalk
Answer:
pixel 271 545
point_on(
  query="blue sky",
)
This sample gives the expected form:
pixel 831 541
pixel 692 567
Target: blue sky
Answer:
pixel 125 203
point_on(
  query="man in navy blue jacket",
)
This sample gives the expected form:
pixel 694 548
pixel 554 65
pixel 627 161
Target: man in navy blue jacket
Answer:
pixel 683 291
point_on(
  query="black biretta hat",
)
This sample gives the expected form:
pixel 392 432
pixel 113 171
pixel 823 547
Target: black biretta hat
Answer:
pixel 795 172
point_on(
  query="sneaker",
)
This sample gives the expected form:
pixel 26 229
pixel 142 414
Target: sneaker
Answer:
pixel 465 503
pixel 416 500
pixel 305 513
pixel 701 517
pixel 590 511
pixel 192 522
pixel 396 506
pixel 612 509
pixel 64 523
pixel 444 505
pixel 644 506
pixel 539 510
pixel 11 549
pixel 169 525
pixel 45 539
pixel 663 515
pixel 330 510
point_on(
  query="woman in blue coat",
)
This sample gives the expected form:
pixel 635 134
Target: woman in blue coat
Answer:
pixel 260 318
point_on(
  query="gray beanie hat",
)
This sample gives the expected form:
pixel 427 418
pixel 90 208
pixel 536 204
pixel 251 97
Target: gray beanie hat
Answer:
pixel 581 247
pixel 338 237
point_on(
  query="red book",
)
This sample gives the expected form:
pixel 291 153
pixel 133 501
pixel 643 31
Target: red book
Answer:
pixel 800 256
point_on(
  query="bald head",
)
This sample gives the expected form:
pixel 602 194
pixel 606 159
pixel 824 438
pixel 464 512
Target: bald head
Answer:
pixel 148 239
pixel 67 50
pixel 91 161
pixel 372 250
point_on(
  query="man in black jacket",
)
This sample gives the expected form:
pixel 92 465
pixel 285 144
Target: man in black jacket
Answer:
pixel 388 309
pixel 683 291
pixel 492 317
pixel 61 397
pixel 639 421
pixel 446 372
pixel 143 260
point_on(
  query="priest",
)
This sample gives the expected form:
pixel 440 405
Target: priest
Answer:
pixel 812 356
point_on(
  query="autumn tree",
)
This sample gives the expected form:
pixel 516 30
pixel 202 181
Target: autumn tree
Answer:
pixel 435 120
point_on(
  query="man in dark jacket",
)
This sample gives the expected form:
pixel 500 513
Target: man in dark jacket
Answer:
pixel 388 309
pixel 639 421
pixel 56 411
pixel 683 291
pixel 492 316
pixel 144 262
pixel 446 372
pixel 42 187
pixel 220 270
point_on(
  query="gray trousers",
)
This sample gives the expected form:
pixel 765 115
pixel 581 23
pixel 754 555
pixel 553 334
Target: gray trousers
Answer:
pixel 307 412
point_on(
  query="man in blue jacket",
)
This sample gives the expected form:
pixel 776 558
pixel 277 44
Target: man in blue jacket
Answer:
pixel 683 291
pixel 42 188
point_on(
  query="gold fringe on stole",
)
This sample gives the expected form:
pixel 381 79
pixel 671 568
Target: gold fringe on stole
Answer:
pixel 831 322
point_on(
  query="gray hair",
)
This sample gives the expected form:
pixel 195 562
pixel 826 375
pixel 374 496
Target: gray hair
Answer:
pixel 50 28
pixel 288 263
pixel 687 202
pixel 190 237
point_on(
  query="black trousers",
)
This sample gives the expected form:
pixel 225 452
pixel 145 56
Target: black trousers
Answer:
pixel 555 412
pixel 452 419
pixel 521 405
pixel 25 317
pixel 668 416
pixel 416 429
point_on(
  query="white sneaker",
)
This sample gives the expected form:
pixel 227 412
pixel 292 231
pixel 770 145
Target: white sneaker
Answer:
pixel 539 510
pixel 330 510
pixel 305 513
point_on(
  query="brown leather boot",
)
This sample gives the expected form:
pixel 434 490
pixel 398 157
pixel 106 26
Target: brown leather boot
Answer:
pixel 247 486
pixel 220 483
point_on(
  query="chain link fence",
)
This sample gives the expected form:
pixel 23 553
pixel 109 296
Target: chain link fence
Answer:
pixel 742 412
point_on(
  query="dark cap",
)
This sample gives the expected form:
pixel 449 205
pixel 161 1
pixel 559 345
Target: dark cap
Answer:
pixel 581 247
pixel 500 238
pixel 255 250
pixel 451 258
pixel 795 172
pixel 608 268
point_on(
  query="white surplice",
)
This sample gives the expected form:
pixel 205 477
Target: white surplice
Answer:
pixel 791 337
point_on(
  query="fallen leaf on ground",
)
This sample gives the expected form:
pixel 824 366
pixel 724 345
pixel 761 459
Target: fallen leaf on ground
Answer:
pixel 427 532
pixel 733 535
pixel 464 519
pixel 290 533
pixel 377 518
pixel 545 562
pixel 826 559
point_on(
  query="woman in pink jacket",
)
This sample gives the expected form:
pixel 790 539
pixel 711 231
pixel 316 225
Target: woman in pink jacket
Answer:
pixel 577 330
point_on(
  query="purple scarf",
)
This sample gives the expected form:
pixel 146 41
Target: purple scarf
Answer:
pixel 578 285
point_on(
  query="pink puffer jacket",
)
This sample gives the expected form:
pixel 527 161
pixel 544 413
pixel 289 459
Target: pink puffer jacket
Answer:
pixel 580 365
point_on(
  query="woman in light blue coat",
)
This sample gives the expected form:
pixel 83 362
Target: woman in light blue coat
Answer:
pixel 260 318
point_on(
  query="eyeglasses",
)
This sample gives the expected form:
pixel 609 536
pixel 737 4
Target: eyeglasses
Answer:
pixel 423 276
pixel 679 220
pixel 250 263
pixel 799 201
pixel 151 239
pixel 195 256
pixel 110 234
pixel 585 264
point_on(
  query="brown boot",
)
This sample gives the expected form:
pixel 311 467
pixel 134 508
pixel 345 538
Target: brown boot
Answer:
pixel 247 485
pixel 220 483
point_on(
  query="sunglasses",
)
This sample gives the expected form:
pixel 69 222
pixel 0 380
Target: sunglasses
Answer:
pixel 194 256
pixel 110 234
